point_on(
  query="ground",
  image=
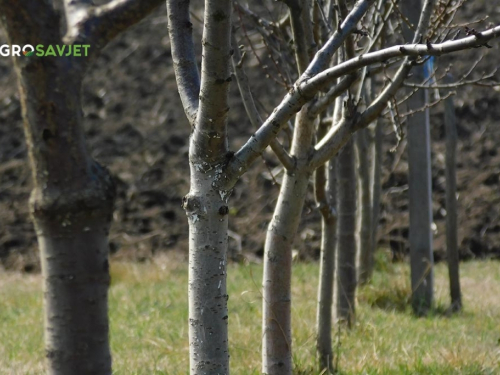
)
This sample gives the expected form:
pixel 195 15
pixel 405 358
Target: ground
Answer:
pixel 135 126
pixel 149 335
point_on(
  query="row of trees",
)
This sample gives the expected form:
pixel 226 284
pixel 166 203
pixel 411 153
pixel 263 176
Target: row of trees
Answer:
pixel 349 64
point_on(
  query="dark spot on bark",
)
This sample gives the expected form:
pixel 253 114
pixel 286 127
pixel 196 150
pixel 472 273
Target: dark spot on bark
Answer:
pixel 105 266
pixel 281 364
pixel 225 317
pixel 47 135
pixel 231 52
pixel 220 81
pixel 188 25
pixel 50 354
pixel 219 16
pixel 223 210
pixel 229 79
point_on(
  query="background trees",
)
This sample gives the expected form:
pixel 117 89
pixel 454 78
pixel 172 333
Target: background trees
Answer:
pixel 211 162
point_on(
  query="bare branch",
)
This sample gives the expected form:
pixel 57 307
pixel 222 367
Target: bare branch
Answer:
pixel 255 17
pixel 414 50
pixel 211 122
pixel 426 106
pixel 250 108
pixel 338 136
pixel 180 30
pixel 304 91
pixel 324 55
pixel 96 26
pixel 300 35
pixel 324 102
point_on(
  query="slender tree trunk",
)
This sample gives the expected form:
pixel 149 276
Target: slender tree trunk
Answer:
pixel 207 211
pixel 346 245
pixel 365 254
pixel 276 325
pixel 325 193
pixel 327 270
pixel 206 204
pixel 421 256
pixel 277 334
pixel 451 204
pixel 376 167
pixel 71 206
pixel 420 191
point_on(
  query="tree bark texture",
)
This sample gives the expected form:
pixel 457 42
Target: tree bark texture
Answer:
pixel 71 206
pixel 346 237
pixel 277 333
pixel 327 269
pixel 206 205
pixel 207 213
pixel 420 190
pixel 451 204
pixel 72 200
pixel 376 187
pixel 276 324
pixel 365 210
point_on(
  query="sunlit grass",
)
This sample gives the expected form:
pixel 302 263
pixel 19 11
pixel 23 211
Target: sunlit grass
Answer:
pixel 148 309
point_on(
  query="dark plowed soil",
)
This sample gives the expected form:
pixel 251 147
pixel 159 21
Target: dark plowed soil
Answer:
pixel 136 127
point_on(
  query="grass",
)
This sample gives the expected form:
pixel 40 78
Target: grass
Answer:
pixel 148 309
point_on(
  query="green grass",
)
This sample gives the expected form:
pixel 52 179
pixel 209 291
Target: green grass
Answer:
pixel 148 307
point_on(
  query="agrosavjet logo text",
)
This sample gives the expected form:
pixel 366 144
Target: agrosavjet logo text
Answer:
pixel 40 50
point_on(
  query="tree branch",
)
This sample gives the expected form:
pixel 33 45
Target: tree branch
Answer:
pixel 324 102
pixel 414 50
pixel 180 30
pixel 250 108
pixel 324 55
pixel 304 91
pixel 340 134
pixel 96 26
pixel 297 8
pixel 210 134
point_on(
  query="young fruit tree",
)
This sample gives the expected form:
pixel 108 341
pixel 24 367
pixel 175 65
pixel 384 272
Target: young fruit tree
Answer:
pixel 215 169
pixel 72 199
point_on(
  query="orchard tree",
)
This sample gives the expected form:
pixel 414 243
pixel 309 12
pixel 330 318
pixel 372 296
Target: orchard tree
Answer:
pixel 72 200
pixel 215 169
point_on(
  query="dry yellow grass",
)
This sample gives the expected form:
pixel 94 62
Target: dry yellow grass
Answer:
pixel 148 309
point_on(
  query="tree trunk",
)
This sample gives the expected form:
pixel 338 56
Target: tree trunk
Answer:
pixel 346 226
pixel 365 254
pixel 327 270
pixel 420 190
pixel 376 167
pixel 277 332
pixel 206 204
pixel 71 206
pixel 207 212
pixel 451 204
pixel 276 312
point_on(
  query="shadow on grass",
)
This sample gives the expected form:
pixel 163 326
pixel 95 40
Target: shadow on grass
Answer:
pixel 390 289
